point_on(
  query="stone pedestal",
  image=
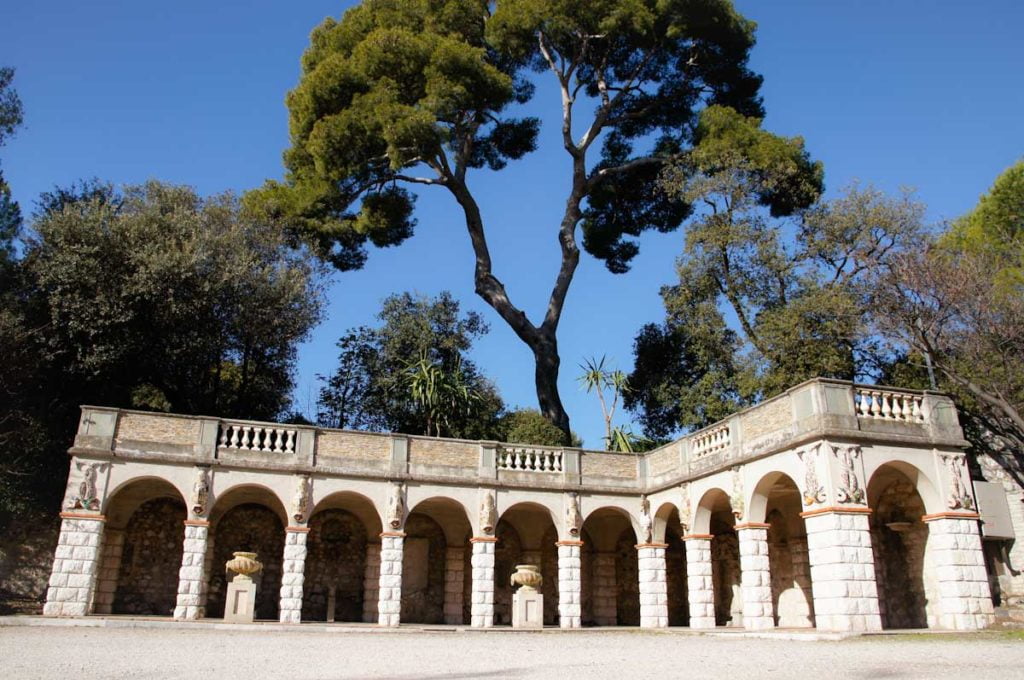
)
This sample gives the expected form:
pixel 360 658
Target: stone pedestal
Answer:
pixel 700 585
pixel 293 574
pixel 240 605
pixel 605 607
pixel 954 545
pixel 109 571
pixel 527 609
pixel 570 608
pixel 842 569
pixel 482 607
pixel 190 604
pixel 755 576
pixel 75 565
pixel 389 590
pixel 454 577
pixel 371 582
pixel 653 585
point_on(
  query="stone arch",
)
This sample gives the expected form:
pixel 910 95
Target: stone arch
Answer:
pixel 711 499
pixel 450 514
pixel 777 502
pixel 907 593
pixel 142 548
pixel 714 516
pixel 527 533
pixel 662 517
pixel 611 589
pixel 342 568
pixel 247 517
pixel 423 569
pixel 915 475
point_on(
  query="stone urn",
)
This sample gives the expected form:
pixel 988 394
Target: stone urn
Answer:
pixel 244 564
pixel 527 577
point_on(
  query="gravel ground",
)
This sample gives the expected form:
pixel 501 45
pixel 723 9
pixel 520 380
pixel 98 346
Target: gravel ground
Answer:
pixel 84 653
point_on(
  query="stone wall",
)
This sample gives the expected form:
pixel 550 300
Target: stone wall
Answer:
pixel 162 429
pixel 254 528
pixel 675 575
pixel 423 571
pixel 725 574
pixel 790 575
pixel 609 465
pixel 627 580
pixel 766 418
pixel 352 445
pixel 147 581
pixel 335 567
pixel 663 461
pixel 900 556
pixel 443 452
pixel 507 553
pixel 1006 557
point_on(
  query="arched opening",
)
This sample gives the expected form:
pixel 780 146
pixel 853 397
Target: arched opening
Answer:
pixel 899 540
pixel 725 557
pixel 610 579
pixel 788 558
pixel 526 535
pixel 675 568
pixel 251 519
pixel 342 560
pixel 437 534
pixel 142 549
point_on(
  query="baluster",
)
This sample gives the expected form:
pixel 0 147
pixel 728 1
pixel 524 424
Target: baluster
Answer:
pixel 886 409
pixel 863 406
pixel 289 441
pixel 897 409
pixel 516 461
pixel 545 462
pixel 263 438
pixel 278 440
pixel 876 407
pixel 223 436
pixel 918 416
pixel 234 436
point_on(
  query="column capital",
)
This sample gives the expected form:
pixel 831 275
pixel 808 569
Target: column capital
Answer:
pixel 297 530
pixel 483 539
pixel 949 515
pixel 83 515
pixel 196 523
pixel 392 534
pixel 640 546
pixel 838 510
pixel 698 537
pixel 572 543
pixel 752 525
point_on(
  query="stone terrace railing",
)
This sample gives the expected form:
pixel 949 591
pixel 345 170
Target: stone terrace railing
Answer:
pixel 815 409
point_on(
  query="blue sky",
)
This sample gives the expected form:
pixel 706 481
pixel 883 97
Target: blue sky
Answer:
pixel 905 93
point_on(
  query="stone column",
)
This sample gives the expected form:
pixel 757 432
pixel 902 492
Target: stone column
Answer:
pixel 454 579
pixel 755 576
pixel 570 604
pixel 191 602
pixel 371 582
pixel 842 569
pixel 75 565
pixel 293 570
pixel 605 601
pixel 110 569
pixel 389 592
pixel 954 545
pixel 482 607
pixel 653 585
pixel 700 586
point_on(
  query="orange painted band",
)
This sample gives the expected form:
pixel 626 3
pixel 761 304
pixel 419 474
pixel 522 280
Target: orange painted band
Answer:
pixel 576 543
pixel 392 534
pixel 197 523
pixel 856 510
pixel 753 525
pixel 82 515
pixel 297 530
pixel 950 515
pixel 696 537
pixel 483 539
pixel 650 545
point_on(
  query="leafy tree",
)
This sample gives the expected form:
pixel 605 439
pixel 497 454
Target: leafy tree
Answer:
pixel 11 110
pixel 442 396
pixel 11 118
pixel 529 426
pixel 370 388
pixel 151 298
pixel 401 93
pixel 792 270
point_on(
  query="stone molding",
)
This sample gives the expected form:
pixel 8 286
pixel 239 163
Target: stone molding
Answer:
pixel 82 515
pixel 569 543
pixel 751 525
pixel 196 523
pixel 483 539
pixel 390 534
pixel 949 515
pixel 297 530
pixel 838 510
pixel 641 546
pixel 698 537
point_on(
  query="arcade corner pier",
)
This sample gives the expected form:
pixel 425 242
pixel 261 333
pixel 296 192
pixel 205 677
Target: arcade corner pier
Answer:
pixel 832 506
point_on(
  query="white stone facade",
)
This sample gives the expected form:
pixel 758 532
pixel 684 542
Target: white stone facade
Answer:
pixel 482 607
pixel 75 567
pixel 191 601
pixel 293 577
pixel 653 586
pixel 699 583
pixel 965 602
pixel 842 571
pixel 756 578
pixel 570 604
pixel 389 591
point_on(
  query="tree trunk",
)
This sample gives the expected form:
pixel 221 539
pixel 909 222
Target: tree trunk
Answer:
pixel 546 359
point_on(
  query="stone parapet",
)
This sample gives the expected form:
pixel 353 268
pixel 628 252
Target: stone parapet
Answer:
pixel 842 570
pixel 699 583
pixel 190 603
pixel 755 577
pixel 653 586
pixel 954 544
pixel 75 566
pixel 482 607
pixel 570 604
pixel 389 590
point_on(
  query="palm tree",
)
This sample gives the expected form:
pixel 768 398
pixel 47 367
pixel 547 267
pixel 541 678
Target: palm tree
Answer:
pixel 596 377
pixel 439 392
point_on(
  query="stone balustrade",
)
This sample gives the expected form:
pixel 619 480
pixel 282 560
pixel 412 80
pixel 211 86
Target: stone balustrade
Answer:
pixel 256 438
pixel 709 440
pixel 529 459
pixel 905 407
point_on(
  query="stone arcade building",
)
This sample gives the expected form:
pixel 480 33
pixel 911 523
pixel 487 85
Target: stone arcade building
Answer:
pixel 834 506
